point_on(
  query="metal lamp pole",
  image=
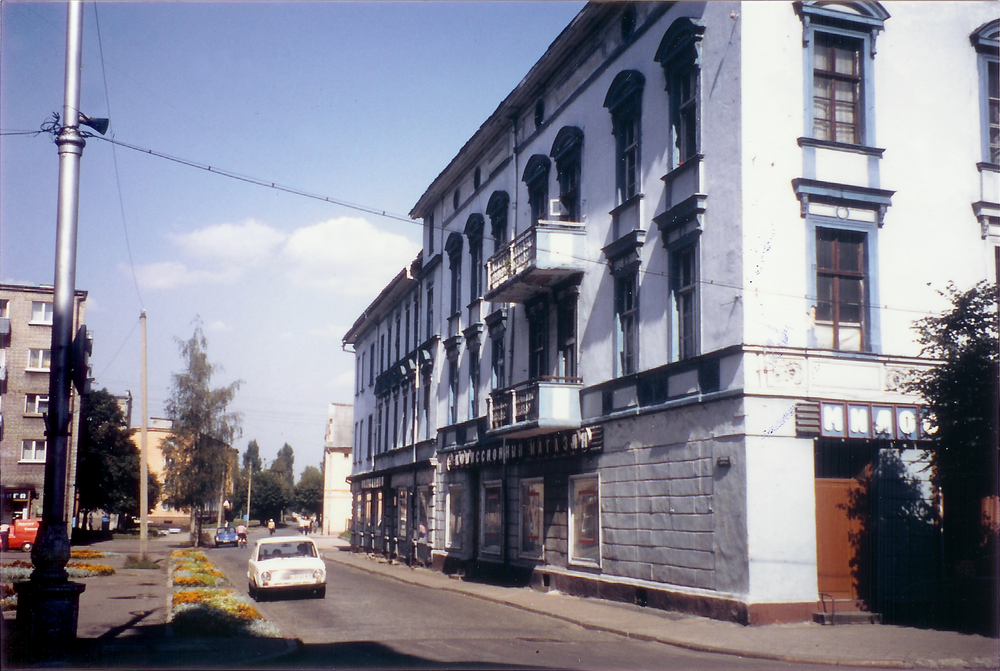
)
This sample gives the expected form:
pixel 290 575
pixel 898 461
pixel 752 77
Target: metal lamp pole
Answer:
pixel 48 604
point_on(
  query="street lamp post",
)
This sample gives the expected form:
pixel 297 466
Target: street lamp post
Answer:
pixel 48 603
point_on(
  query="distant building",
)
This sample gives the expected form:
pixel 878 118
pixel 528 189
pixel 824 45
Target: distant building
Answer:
pixel 656 345
pixel 157 431
pixel 336 470
pixel 25 340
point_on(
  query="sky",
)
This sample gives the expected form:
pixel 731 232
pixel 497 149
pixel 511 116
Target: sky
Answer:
pixel 361 102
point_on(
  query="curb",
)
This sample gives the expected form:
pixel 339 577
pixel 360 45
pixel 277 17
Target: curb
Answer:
pixel 954 663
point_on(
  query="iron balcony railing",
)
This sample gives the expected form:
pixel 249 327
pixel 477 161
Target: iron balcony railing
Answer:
pixel 543 403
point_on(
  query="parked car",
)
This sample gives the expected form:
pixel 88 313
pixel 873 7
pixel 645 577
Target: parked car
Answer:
pixel 226 536
pixel 286 563
pixel 22 534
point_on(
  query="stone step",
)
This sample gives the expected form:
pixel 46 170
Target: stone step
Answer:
pixel 847 617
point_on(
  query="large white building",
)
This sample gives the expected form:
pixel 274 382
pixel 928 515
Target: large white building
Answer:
pixel 659 332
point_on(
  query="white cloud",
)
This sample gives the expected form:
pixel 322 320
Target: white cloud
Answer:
pixel 243 245
pixel 172 274
pixel 218 326
pixel 348 255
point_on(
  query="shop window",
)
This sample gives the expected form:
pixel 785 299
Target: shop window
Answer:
pixel 33 450
pixel 453 531
pixel 402 508
pixel 841 288
pixel 532 518
pixel 492 540
pixel 585 520
pixel 423 515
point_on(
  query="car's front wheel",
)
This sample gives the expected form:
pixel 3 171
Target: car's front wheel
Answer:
pixel 26 547
pixel 252 590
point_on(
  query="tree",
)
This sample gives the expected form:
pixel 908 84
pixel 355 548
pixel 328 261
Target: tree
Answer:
pixel 271 494
pixel 251 458
pixel 284 464
pixel 108 460
pixel 309 491
pixel 197 452
pixel 962 399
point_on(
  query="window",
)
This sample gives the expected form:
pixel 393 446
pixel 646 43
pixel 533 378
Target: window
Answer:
pixel 378 428
pixel 381 354
pixel 370 430
pixel 454 250
pixel 474 232
pixel 36 404
pixel 837 89
pixel 406 321
pixel 536 177
pixel 497 379
pixel 473 383
pixel 398 333
pixel 452 391
pixel 371 366
pixel 538 340
pixel 680 55
pixel 585 519
pixel 839 42
pixel 4 308
pixel 402 506
pixel 39 359
pixel 430 308
pixel 426 410
pixel 429 225
pixel 841 285
pixel 685 280
pixel 33 450
pixel 566 329
pixel 477 178
pixel 422 530
pixel 395 421
pixel 416 318
pixel 492 518
pixel 986 41
pixel 624 101
pixel 496 210
pixel 41 313
pixel 453 531
pixel 567 151
pixel 626 322
pixel 539 113
pixel 532 518
pixel 455 200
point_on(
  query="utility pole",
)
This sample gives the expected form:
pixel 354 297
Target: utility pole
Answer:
pixel 143 455
pixel 249 488
pixel 48 603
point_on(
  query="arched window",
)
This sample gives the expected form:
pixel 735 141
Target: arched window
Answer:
pixel 567 152
pixel 624 101
pixel 474 232
pixel 680 55
pixel 496 210
pixel 536 176
pixel 453 247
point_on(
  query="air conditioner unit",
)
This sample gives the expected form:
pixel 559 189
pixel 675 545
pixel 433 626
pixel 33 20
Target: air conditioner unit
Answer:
pixel 556 208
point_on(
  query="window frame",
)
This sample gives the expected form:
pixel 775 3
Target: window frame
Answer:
pixel 474 380
pixel 624 102
pixel 986 41
pixel 538 340
pixel 573 555
pixel 567 152
pixel 567 317
pixel 41 356
pixel 34 458
pixel 452 531
pixel 498 379
pixel 862 25
pixel 536 179
pixel 626 340
pixel 837 276
pixel 33 404
pixel 47 310
pixel 686 318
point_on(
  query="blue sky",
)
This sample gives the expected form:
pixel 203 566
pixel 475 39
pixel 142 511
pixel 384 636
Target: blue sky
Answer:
pixel 362 102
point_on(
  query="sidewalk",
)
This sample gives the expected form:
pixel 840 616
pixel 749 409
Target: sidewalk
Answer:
pixel 860 645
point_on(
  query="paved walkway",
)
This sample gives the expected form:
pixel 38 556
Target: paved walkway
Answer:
pixel 860 645
pixel 123 624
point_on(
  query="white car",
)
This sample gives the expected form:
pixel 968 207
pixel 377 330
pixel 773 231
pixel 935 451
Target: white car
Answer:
pixel 281 563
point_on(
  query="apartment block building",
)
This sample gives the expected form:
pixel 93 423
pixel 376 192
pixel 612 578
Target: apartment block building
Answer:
pixel 25 342
pixel 656 345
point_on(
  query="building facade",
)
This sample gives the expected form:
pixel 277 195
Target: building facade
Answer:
pixel 658 338
pixel 337 466
pixel 25 342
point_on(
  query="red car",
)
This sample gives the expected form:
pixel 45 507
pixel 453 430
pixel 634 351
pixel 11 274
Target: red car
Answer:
pixel 22 534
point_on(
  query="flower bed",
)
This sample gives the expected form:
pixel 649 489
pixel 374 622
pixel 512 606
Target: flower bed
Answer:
pixel 20 570
pixel 204 603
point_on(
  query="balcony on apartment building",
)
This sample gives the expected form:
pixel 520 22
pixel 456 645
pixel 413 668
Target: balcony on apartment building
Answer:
pixel 543 255
pixel 536 406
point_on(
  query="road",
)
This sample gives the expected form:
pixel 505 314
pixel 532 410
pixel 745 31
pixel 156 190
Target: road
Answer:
pixel 368 620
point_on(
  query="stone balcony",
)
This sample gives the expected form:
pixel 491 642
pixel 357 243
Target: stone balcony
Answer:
pixel 545 254
pixel 537 406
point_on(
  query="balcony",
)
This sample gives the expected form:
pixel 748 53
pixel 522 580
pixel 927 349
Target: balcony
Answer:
pixel 536 406
pixel 543 255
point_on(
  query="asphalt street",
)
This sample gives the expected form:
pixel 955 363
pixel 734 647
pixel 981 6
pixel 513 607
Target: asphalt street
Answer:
pixel 369 620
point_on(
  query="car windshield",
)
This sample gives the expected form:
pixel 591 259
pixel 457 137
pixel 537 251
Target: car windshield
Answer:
pixel 287 549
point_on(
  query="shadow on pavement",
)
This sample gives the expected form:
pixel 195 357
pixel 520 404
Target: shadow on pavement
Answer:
pixel 368 655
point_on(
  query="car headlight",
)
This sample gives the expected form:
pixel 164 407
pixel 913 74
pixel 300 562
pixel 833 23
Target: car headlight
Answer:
pixel 265 576
pixel 318 574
